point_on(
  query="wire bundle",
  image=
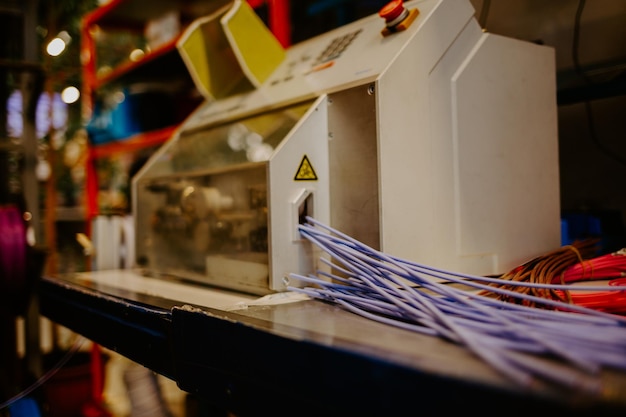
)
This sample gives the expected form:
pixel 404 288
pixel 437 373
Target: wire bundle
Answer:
pixel 568 265
pixel 612 265
pixel 512 337
pixel 544 269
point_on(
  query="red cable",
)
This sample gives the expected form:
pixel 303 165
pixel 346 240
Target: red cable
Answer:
pixel 607 301
pixel 611 266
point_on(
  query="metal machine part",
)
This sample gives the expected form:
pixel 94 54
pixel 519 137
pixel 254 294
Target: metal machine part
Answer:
pixel 436 142
pixel 205 213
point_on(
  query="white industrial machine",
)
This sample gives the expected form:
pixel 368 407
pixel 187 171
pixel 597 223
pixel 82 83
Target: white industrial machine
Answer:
pixel 411 130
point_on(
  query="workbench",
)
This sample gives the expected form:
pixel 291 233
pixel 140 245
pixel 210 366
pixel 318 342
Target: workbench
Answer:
pixel 285 355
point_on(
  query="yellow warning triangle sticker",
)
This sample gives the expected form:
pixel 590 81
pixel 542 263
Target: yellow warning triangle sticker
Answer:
pixel 305 171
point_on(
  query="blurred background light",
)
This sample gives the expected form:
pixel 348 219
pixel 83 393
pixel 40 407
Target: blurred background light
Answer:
pixel 70 95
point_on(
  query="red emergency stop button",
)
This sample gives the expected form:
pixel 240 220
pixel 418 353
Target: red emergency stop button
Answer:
pixel 397 17
pixel 392 10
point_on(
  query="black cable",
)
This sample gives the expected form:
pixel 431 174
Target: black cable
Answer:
pixel 66 357
pixel 576 42
pixel 588 81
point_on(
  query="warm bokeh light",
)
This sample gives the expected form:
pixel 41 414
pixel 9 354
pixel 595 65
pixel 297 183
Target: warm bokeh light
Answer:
pixel 55 47
pixel 136 55
pixel 58 44
pixel 70 95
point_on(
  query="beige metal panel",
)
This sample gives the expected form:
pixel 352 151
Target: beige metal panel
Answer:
pixel 414 170
pixel 505 139
pixel 479 189
pixel 288 195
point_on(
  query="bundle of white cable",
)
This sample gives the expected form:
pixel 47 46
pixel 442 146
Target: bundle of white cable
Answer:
pixel 510 337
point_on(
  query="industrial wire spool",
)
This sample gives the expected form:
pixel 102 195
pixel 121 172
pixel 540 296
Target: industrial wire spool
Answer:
pixel 509 324
pixel 13 255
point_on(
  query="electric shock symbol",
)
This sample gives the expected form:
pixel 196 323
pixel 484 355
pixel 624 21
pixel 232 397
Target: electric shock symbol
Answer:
pixel 305 171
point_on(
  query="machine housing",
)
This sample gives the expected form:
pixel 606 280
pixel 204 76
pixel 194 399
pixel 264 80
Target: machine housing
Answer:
pixel 437 143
